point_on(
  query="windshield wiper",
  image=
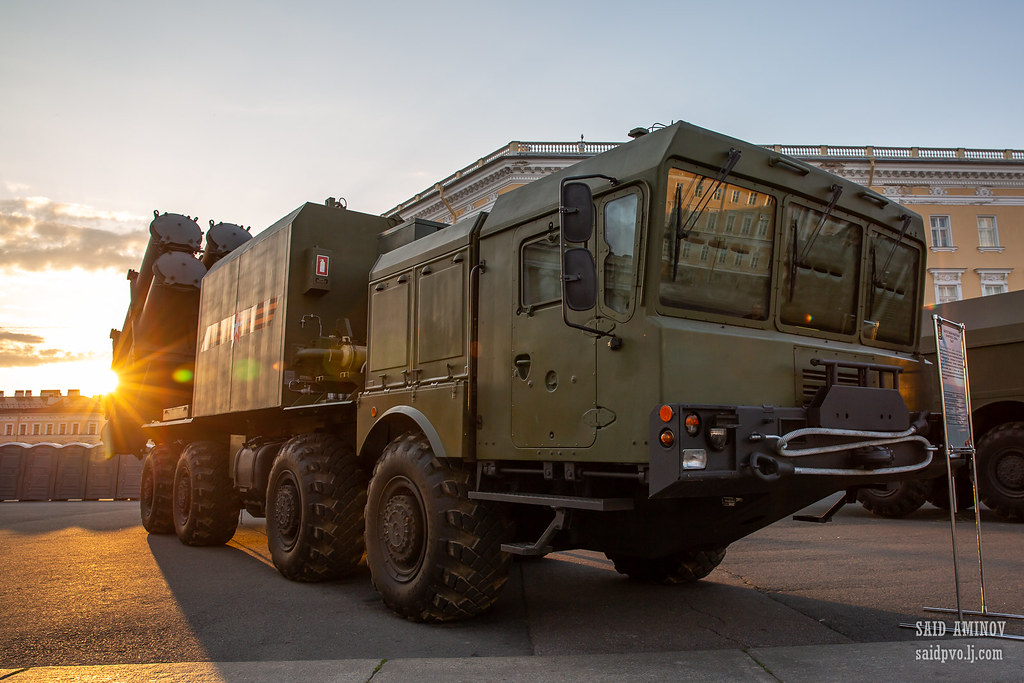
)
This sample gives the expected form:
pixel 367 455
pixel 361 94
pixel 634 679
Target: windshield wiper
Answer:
pixel 691 220
pixel 899 240
pixel 683 230
pixel 837 191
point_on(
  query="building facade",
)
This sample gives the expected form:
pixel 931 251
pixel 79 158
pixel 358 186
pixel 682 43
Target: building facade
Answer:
pixel 972 200
pixel 50 417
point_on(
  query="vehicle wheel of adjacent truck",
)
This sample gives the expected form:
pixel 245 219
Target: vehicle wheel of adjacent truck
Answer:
pixel 938 491
pixel 896 499
pixel 205 505
pixel 156 487
pixel 1001 470
pixel 434 554
pixel 315 500
pixel 684 567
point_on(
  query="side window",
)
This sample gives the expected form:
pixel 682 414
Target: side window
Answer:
pixel 541 272
pixel 620 218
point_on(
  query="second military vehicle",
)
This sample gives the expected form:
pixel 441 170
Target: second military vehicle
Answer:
pixel 651 354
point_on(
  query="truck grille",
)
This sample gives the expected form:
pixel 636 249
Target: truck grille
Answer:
pixel 814 379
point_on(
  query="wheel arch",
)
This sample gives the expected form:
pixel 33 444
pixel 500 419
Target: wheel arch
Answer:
pixel 992 415
pixel 394 422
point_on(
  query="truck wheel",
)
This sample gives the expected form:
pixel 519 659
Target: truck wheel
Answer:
pixel 938 491
pixel 155 502
pixel 205 504
pixel 684 567
pixel 895 499
pixel 434 554
pixel 315 500
pixel 1001 470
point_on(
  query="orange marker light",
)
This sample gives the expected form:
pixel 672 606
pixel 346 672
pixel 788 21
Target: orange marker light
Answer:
pixel 665 413
pixel 692 423
pixel 667 438
pixel 373 411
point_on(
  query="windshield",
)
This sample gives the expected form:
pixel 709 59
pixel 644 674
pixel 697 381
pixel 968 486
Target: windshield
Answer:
pixel 820 267
pixel 891 308
pixel 718 258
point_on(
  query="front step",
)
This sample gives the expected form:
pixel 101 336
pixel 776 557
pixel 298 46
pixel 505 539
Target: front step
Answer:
pixel 561 505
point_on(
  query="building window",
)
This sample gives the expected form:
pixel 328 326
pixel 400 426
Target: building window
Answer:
pixel 74 429
pixel 730 222
pixel 22 430
pixel 735 196
pixel 988 234
pixel 35 430
pixel 752 199
pixel 718 194
pixel 942 234
pixel 9 431
pixel 993 281
pixel 63 429
pixel 947 284
pixel 49 429
pixel 92 428
pixel 748 221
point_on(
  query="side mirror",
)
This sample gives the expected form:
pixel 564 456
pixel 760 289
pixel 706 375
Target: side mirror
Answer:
pixel 580 278
pixel 577 212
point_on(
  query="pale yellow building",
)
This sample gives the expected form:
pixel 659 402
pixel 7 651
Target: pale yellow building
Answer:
pixel 972 200
pixel 50 417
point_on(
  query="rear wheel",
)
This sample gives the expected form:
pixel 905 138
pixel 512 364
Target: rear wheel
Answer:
pixel 1001 470
pixel 895 499
pixel 434 554
pixel 315 501
pixel 683 567
pixel 205 504
pixel 156 488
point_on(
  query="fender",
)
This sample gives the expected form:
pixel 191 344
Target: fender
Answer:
pixel 404 414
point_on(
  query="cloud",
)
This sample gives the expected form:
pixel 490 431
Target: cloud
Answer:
pixel 19 350
pixel 37 234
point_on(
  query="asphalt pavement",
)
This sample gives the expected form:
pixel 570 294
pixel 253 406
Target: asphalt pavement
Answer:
pixel 86 595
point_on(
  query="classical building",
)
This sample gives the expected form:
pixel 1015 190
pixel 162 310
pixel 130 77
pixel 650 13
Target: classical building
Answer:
pixel 972 200
pixel 50 417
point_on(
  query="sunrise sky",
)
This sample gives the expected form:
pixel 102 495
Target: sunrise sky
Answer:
pixel 240 111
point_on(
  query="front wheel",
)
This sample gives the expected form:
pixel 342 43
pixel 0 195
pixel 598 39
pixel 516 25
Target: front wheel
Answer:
pixel 1001 470
pixel 434 554
pixel 683 567
pixel 895 499
pixel 205 504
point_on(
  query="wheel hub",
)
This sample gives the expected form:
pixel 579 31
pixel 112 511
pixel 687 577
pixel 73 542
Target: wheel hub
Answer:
pixel 1010 471
pixel 402 531
pixel 287 515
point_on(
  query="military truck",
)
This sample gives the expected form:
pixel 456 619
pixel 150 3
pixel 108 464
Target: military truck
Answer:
pixel 651 354
pixel 995 344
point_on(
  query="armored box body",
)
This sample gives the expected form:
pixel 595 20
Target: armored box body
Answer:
pixel 302 278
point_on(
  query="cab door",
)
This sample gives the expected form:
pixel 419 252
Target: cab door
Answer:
pixel 553 365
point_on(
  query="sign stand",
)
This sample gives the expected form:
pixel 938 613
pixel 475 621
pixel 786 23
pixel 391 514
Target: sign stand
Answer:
pixel 959 441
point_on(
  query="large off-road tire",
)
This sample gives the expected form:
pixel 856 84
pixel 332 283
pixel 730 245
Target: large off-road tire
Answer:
pixel 205 504
pixel 896 499
pixel 938 491
pixel 1001 470
pixel 315 500
pixel 156 487
pixel 683 567
pixel 434 554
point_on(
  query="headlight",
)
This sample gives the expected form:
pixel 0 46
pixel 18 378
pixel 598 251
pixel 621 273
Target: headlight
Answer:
pixel 694 458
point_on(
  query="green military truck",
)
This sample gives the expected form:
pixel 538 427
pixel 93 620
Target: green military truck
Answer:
pixel 995 345
pixel 651 354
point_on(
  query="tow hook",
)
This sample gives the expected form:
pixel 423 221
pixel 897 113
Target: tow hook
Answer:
pixel 767 468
